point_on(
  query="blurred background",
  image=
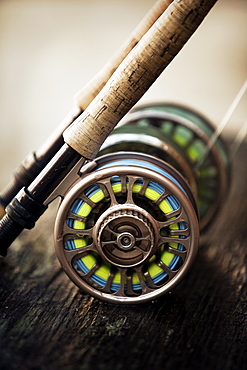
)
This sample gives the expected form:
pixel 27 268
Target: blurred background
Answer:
pixel 51 48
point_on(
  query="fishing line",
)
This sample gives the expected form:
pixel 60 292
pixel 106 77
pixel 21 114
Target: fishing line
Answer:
pixel 152 192
pixel 239 138
pixel 223 122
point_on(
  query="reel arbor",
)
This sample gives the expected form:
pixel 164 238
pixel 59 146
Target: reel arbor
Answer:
pixel 127 231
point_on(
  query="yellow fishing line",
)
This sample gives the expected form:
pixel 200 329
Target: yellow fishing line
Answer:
pixel 103 271
pixel 79 243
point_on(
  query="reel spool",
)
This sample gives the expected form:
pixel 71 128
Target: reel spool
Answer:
pixel 127 231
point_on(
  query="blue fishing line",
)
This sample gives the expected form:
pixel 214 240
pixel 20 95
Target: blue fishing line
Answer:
pixel 143 164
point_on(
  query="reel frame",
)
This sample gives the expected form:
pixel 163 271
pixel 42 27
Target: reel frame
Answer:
pixel 135 217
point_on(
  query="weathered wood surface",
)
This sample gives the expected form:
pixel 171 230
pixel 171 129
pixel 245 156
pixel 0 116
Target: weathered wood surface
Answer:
pixel 47 323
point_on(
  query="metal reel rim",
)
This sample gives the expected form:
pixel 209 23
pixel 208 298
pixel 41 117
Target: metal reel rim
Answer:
pixel 111 157
pixel 114 298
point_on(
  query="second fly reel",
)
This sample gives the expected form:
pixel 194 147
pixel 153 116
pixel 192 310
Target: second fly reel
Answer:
pixel 127 231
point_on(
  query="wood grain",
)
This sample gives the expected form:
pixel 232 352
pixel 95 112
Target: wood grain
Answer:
pixel 47 323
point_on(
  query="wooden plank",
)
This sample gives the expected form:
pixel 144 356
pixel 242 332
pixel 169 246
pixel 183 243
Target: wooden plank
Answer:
pixel 47 323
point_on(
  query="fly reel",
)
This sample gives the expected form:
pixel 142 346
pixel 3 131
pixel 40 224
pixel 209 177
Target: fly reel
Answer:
pixel 127 231
pixel 181 137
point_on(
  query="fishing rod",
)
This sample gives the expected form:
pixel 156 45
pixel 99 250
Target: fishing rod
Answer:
pixel 127 229
pixel 36 161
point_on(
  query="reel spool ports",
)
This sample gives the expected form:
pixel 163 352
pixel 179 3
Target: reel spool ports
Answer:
pixel 128 230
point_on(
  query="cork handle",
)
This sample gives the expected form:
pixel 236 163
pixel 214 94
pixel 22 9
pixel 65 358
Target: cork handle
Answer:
pixel 136 74
pixel 84 97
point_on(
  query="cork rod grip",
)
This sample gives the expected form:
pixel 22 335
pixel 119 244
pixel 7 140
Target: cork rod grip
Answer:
pixel 84 97
pixel 136 74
